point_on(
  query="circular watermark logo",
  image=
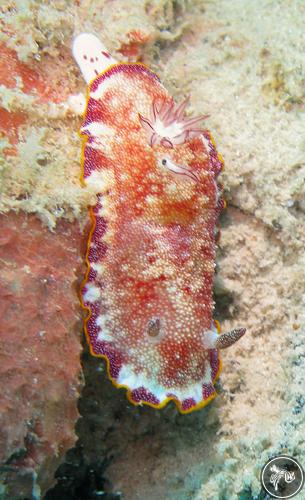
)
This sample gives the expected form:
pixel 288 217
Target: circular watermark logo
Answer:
pixel 282 477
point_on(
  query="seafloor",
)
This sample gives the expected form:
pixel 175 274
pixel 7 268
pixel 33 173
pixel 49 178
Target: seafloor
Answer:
pixel 242 62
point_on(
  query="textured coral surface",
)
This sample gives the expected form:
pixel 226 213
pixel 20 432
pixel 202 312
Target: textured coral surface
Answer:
pixel 40 347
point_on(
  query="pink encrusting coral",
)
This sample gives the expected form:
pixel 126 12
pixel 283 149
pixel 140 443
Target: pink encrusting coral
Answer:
pixel 151 250
pixel 34 82
pixel 40 346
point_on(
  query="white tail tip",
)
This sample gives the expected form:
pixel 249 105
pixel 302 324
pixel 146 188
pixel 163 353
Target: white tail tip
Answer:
pixel 91 55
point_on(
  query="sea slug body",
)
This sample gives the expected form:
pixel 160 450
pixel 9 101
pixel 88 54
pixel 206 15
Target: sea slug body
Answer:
pixel 151 251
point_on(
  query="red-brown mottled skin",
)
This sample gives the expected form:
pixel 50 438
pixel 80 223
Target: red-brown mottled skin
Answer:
pixel 152 246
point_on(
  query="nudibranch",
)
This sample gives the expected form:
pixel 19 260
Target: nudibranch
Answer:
pixel 151 250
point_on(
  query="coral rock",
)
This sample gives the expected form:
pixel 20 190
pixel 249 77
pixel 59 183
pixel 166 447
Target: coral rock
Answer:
pixel 40 348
